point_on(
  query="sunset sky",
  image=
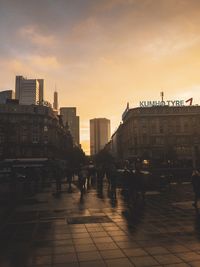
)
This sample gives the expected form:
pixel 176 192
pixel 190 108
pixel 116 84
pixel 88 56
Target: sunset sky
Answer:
pixel 102 54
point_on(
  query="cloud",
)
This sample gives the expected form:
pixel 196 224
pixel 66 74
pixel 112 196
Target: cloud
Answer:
pixel 31 63
pixel 30 33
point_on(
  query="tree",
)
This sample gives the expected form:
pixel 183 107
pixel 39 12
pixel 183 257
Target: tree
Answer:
pixel 77 157
pixel 103 157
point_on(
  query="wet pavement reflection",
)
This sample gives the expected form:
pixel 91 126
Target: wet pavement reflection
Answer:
pixel 102 228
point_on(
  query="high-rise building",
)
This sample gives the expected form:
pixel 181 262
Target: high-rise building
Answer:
pixel 99 134
pixel 41 89
pixel 55 101
pixel 4 95
pixel 69 116
pixel 29 91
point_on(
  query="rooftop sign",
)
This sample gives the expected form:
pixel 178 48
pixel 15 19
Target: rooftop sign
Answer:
pixel 171 103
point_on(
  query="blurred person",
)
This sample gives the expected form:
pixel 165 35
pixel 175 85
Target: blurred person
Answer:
pixel 82 176
pixel 100 172
pixel 111 173
pixel 69 175
pixel 196 186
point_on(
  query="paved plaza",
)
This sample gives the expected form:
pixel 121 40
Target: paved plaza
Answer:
pixel 50 230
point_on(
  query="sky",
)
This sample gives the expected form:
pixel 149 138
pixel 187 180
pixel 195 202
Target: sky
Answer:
pixel 101 54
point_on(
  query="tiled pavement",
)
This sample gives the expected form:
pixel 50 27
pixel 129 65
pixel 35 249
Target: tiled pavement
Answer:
pixel 165 231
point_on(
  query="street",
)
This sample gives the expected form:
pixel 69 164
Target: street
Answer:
pixel 60 230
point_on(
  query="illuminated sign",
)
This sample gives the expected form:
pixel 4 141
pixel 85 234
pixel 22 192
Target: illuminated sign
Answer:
pixel 171 103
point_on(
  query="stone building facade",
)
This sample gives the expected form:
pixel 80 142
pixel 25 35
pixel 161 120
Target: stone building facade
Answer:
pixel 32 131
pixel 159 133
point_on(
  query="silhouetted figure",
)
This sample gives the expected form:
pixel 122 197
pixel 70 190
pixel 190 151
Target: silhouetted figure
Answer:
pixel 140 184
pixel 113 181
pixel 91 174
pixel 126 181
pixel 111 173
pixel 137 186
pixel 28 178
pixel 106 170
pixel 82 176
pixel 69 174
pixel 196 186
pixel 132 187
pixel 100 172
pixel 36 179
pixel 44 177
pixel 58 178
pixel 127 176
pixel 13 183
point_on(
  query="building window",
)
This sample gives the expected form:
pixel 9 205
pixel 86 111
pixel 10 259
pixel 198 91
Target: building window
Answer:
pixel 35 110
pixel 161 129
pixel 46 139
pixel 35 139
pixel 144 139
pixel 178 128
pixel 135 140
pixel 186 127
pixel 158 140
pixel 24 134
pixel 45 128
pixel 153 128
pixel 1 138
pixel 24 138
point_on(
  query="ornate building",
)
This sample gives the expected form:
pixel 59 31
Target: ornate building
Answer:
pixel 158 133
pixel 32 131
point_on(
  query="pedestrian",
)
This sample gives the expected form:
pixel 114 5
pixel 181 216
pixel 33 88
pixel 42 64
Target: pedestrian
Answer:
pixel 91 174
pixel 132 187
pixel 141 183
pixel 82 176
pixel 100 173
pixel 127 182
pixel 127 174
pixel 196 186
pixel 113 182
pixel 112 176
pixel 69 174
pixel 58 178
pixel 36 179
pixel 13 183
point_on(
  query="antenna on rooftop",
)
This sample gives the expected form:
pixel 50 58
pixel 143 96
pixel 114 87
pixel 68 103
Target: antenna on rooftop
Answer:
pixel 162 96
pixel 127 105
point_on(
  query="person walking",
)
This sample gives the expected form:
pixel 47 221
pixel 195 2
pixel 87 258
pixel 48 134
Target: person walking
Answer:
pixel 112 176
pixel 91 174
pixel 196 186
pixel 69 174
pixel 100 173
pixel 58 174
pixel 82 176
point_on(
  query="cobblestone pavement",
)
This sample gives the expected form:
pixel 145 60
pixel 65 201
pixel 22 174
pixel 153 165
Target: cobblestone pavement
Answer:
pixel 50 230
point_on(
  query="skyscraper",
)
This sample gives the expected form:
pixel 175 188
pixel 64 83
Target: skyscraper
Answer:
pixel 41 89
pixel 69 116
pixel 99 134
pixel 29 91
pixel 55 100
